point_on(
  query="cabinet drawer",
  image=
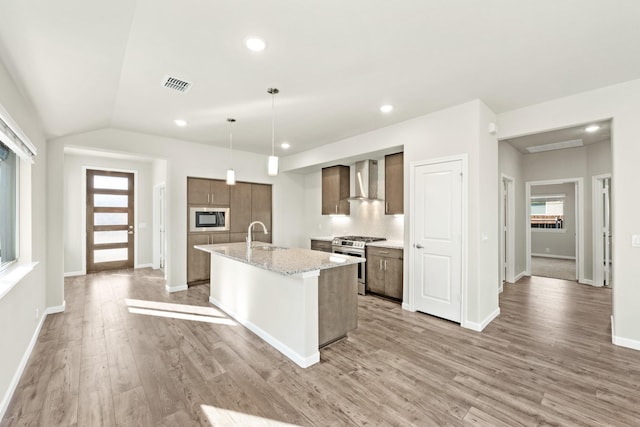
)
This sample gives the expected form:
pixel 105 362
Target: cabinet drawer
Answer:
pixel 385 252
pixel 320 245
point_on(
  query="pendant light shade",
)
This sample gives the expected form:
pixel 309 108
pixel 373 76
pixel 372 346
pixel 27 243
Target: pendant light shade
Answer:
pixel 231 174
pixel 272 165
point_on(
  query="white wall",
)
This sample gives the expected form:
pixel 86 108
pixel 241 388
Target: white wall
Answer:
pixel 183 159
pixel 18 320
pixel 511 164
pixel 75 207
pixel 620 102
pixel 559 243
pixel 366 219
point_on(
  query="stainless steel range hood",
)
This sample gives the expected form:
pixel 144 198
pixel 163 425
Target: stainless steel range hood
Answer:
pixel 366 177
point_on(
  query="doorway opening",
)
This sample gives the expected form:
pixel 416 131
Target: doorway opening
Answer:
pixel 109 220
pixel 507 231
pixel 555 229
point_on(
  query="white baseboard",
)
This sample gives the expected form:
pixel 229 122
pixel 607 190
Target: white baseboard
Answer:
pixel 478 327
pixel 143 266
pixel 299 360
pixel 75 273
pixel 625 342
pixel 554 256
pixel 406 306
pixel 520 276
pixel 23 363
pixel 171 289
pixel 501 288
pixel 587 282
pixel 57 308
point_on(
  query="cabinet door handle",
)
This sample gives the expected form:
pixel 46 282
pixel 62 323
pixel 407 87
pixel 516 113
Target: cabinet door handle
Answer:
pixel 380 264
pixel 336 208
pixel 385 265
pixel 383 252
pixel 211 198
pixel 208 195
pixel 387 207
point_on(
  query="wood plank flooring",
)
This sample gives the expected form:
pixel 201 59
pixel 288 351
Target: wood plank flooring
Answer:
pixel 547 360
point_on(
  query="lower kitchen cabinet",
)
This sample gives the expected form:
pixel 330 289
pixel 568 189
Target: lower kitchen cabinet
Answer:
pixel 320 245
pixel 384 271
pixel 198 261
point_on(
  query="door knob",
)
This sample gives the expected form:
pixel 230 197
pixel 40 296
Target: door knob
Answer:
pixel 419 246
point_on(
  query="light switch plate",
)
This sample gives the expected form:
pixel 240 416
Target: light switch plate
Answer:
pixel 635 240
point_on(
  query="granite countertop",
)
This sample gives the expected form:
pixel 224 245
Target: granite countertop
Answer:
pixel 287 261
pixel 392 244
pixel 322 238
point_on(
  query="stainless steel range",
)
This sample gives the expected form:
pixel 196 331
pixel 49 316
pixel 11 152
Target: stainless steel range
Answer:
pixel 355 246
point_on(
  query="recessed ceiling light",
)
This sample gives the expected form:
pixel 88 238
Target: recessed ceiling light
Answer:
pixel 180 122
pixel 592 128
pixel 285 145
pixel 255 44
pixel 387 108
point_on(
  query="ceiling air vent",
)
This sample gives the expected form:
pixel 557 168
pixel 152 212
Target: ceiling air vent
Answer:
pixel 176 84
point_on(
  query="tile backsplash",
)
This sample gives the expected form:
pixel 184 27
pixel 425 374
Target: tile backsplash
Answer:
pixel 366 219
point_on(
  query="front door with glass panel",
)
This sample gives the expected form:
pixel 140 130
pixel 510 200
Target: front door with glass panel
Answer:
pixel 109 220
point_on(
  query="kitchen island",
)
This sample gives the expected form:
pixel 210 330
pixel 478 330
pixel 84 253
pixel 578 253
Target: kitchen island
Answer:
pixel 297 300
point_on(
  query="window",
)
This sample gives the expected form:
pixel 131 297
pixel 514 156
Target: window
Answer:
pixel 16 157
pixel 8 206
pixel 547 212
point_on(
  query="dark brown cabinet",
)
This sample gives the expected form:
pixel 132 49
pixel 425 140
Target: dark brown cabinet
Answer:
pixel 240 208
pixel 207 192
pixel 384 271
pixel 198 261
pixel 335 190
pixel 261 211
pixel 247 202
pixel 394 183
pixel 320 245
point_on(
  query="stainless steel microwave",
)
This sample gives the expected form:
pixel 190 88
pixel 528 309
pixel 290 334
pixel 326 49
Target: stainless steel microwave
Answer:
pixel 202 219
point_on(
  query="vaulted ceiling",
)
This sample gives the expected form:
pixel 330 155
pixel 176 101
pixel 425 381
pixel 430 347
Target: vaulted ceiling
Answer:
pixel 88 65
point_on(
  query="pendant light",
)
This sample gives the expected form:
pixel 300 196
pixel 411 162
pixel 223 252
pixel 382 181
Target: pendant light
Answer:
pixel 231 174
pixel 272 166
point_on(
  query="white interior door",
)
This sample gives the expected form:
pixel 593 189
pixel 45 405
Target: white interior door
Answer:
pixel 437 251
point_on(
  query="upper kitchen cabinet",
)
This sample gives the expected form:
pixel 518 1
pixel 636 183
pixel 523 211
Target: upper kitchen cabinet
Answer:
pixel 240 208
pixel 394 183
pixel 207 192
pixel 335 190
pixel 261 211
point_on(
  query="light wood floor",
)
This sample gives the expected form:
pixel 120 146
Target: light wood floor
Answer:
pixel 548 359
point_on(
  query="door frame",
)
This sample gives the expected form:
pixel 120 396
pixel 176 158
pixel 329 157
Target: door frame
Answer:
pixel 159 211
pixel 508 243
pixel 579 218
pixel 464 244
pixel 84 212
pixel 597 240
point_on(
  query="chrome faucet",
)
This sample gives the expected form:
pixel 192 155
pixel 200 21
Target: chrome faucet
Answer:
pixel 264 228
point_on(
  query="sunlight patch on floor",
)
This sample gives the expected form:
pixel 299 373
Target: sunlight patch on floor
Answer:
pixel 226 417
pixel 179 311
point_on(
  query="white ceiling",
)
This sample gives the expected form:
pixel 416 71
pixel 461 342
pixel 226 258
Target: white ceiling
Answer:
pixel 88 65
pixel 562 135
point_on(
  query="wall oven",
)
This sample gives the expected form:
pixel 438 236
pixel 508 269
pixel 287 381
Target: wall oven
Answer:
pixel 204 219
